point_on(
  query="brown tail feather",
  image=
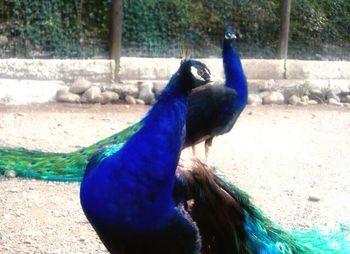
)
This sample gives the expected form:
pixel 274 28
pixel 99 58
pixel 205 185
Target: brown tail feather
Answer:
pixel 218 214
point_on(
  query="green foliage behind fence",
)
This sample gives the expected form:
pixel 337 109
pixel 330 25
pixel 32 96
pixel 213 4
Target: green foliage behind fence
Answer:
pixel 161 28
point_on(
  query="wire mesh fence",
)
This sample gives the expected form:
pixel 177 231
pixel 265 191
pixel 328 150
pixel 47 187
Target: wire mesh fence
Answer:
pixel 162 28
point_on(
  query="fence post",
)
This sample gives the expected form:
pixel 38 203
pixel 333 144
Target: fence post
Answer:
pixel 284 33
pixel 116 35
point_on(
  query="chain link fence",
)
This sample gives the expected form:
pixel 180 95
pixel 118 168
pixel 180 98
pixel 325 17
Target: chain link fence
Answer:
pixel 162 28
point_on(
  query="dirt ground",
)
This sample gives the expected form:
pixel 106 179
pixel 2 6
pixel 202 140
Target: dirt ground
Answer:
pixel 286 158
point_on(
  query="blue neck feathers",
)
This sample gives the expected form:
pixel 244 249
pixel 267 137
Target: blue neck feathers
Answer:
pixel 234 74
pixel 131 190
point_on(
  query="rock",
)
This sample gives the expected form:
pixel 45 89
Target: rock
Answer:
pixel 125 89
pixel 140 102
pixel 109 97
pixel 294 100
pixel 145 92
pixel 317 94
pixel 3 40
pixel 254 99
pixel 263 94
pixel 80 86
pixel 273 98
pixel 331 95
pixel 313 199
pixel 130 100
pixel 305 98
pixel 92 95
pixel 346 99
pixel 158 87
pixel 312 102
pixel 347 105
pixel 63 95
pixel 334 102
pixel 10 173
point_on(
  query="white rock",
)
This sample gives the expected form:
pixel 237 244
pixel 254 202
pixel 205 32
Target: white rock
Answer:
pixel 274 98
pixel 80 86
pixel 145 92
pixel 64 96
pixel 140 102
pixel 254 99
pixel 346 99
pixel 109 97
pixel 93 95
pixel 3 40
pixel 333 101
pixel 159 86
pixel 312 102
pixel 317 94
pixel 332 94
pixel 130 100
pixel 294 100
pixel 125 89
pixel 305 98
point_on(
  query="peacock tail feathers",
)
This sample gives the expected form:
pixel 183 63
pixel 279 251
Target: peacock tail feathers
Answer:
pixel 56 166
pixel 230 223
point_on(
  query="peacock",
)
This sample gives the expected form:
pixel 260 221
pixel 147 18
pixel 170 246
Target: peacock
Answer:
pixel 71 166
pixel 140 198
pixel 214 109
pixel 126 192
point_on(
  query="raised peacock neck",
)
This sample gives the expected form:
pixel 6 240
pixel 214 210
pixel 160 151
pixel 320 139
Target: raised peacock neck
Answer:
pixel 234 73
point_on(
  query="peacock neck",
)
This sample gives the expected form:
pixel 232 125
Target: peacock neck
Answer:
pixel 234 73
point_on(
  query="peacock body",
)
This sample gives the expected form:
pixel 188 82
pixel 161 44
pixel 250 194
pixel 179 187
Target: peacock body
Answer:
pixel 126 193
pixel 214 109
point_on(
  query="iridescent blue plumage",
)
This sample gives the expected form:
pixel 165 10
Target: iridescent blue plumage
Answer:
pixel 214 109
pixel 126 194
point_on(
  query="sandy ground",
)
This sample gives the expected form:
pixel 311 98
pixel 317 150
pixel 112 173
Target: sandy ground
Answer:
pixel 280 155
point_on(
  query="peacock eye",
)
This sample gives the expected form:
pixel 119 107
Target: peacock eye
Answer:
pixel 200 72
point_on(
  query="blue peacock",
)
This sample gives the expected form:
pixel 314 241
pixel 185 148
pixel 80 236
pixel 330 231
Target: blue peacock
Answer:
pixel 140 198
pixel 158 204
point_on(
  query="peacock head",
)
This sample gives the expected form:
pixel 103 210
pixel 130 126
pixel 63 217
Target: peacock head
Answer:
pixel 200 73
pixel 230 34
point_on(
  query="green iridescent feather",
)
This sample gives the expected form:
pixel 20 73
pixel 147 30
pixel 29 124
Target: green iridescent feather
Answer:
pixel 56 166
pixel 265 236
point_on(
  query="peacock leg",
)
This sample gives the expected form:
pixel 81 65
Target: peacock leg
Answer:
pixel 194 150
pixel 207 144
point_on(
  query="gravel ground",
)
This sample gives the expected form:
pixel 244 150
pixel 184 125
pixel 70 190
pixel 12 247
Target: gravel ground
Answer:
pixel 280 155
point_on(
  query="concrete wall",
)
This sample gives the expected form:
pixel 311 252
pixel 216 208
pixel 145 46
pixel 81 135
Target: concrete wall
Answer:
pixel 133 68
pixel 65 70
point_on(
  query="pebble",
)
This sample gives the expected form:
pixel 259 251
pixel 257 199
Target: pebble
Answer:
pixel 14 190
pixel 313 199
pixel 273 98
